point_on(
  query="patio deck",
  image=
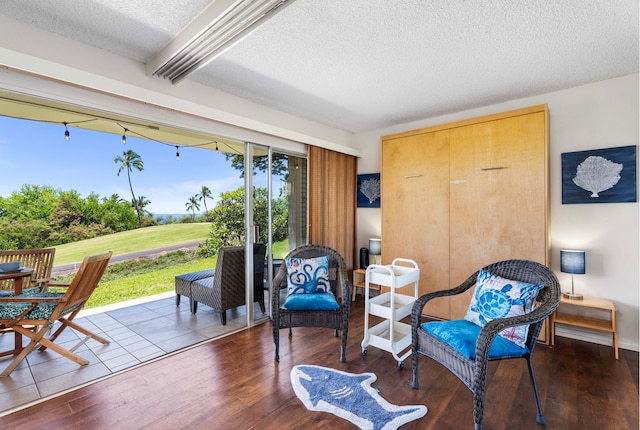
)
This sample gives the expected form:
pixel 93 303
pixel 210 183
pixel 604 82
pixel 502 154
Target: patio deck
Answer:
pixel 140 331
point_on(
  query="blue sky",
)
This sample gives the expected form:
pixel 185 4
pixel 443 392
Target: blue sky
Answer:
pixel 36 153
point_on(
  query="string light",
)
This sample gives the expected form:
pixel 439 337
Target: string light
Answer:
pixel 67 134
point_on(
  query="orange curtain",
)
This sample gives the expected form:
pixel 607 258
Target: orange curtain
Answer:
pixel 332 201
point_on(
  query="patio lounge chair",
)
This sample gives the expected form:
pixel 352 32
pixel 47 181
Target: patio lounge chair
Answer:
pixel 33 314
pixel 226 288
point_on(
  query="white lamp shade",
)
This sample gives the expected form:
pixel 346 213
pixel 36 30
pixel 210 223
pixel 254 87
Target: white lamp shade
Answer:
pixel 375 247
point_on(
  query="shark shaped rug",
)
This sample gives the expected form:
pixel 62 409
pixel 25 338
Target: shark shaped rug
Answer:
pixel 350 396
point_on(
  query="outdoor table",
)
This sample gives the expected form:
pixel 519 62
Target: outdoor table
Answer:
pixel 18 276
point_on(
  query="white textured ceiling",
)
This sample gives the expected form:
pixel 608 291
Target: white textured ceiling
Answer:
pixel 360 65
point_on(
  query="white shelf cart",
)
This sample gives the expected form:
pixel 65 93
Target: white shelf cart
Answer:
pixel 391 334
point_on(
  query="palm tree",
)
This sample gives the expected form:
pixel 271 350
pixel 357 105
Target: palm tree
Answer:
pixel 142 202
pixel 205 193
pixel 114 198
pixel 130 160
pixel 193 205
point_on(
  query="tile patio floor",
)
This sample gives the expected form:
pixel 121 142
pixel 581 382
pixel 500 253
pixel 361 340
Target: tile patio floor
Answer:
pixel 139 331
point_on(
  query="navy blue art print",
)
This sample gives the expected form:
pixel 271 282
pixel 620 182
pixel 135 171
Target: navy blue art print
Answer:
pixel 599 176
pixel 369 190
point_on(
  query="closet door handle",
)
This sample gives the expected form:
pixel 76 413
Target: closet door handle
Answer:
pixel 413 175
pixel 494 168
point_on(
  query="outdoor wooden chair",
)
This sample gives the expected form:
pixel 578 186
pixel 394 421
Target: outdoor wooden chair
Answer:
pixel 465 348
pixel 33 314
pixel 314 313
pixel 40 260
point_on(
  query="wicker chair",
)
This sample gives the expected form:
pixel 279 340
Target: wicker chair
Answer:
pixel 226 289
pixel 340 286
pixel 473 371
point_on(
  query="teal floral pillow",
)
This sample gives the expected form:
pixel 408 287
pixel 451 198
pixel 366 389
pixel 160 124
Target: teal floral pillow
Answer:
pixel 497 297
pixel 308 275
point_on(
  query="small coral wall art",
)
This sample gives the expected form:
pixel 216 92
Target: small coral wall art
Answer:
pixel 369 190
pixel 600 176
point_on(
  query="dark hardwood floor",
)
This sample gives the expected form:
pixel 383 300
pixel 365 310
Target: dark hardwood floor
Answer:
pixel 233 383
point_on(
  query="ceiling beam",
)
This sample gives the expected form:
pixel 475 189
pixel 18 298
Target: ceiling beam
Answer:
pixel 220 26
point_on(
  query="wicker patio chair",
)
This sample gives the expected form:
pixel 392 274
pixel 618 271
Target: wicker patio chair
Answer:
pixel 226 289
pixel 340 285
pixel 33 314
pixel 470 366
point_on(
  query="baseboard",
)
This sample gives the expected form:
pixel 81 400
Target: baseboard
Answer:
pixel 595 337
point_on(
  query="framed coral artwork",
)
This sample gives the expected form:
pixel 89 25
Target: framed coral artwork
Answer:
pixel 600 176
pixel 369 190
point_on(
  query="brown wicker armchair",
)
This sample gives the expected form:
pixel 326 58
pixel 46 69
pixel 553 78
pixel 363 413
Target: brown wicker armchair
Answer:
pixel 340 285
pixel 226 288
pixel 472 370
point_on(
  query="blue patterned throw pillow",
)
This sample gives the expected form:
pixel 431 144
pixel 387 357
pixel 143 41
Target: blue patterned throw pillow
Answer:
pixel 308 275
pixel 497 297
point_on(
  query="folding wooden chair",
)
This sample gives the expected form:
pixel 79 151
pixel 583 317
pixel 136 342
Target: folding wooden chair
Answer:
pixel 40 260
pixel 33 314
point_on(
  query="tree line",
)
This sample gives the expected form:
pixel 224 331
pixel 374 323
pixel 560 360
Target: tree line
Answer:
pixel 39 216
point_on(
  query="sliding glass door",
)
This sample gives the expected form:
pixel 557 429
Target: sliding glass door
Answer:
pixel 278 208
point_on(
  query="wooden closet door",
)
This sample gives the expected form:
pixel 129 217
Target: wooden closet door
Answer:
pixel 498 196
pixel 415 210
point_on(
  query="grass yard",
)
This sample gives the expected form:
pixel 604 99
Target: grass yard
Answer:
pixel 159 280
pixel 133 240
pixel 147 276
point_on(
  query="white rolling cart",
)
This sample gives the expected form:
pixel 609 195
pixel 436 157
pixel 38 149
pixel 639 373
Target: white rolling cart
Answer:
pixel 391 334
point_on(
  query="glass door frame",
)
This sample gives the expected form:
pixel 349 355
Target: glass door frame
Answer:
pixel 250 225
pixel 250 228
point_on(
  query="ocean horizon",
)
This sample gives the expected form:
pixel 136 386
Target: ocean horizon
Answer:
pixel 166 216
pixel 173 215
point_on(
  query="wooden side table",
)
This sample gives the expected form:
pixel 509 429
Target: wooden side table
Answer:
pixel 359 277
pixel 609 325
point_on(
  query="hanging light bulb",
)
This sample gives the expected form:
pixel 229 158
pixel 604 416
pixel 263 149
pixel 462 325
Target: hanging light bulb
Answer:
pixel 217 147
pixel 124 137
pixel 66 131
pixel 177 153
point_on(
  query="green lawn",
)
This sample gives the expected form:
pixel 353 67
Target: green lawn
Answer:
pixel 143 277
pixel 156 281
pixel 133 240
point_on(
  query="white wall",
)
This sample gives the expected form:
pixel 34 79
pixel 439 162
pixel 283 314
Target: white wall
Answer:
pixel 600 115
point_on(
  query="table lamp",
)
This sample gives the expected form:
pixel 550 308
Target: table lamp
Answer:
pixel 574 262
pixel 375 249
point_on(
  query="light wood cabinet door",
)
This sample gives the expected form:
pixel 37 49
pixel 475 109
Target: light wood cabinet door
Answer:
pixel 497 197
pixel 415 210
pixel 459 196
